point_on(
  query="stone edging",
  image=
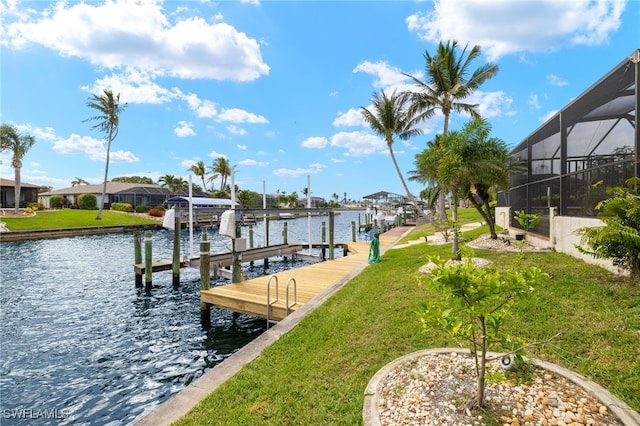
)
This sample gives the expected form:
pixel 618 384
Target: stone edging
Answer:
pixel 622 411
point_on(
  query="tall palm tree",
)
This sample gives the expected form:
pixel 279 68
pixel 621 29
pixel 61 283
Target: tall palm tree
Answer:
pixel 19 144
pixel 447 85
pixel 108 121
pixel 79 181
pixel 221 168
pixel 200 170
pixel 391 118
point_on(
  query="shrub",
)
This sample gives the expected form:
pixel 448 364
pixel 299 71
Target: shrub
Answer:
pixel 122 207
pixel 88 202
pixel 156 213
pixel 143 209
pixel 35 206
pixel 55 201
pixel 619 239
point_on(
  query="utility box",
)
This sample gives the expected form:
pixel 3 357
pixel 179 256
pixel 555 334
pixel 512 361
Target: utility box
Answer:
pixel 241 244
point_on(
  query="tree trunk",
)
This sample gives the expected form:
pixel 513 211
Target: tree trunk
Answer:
pixel 483 366
pixel 404 184
pixel 455 247
pixel 106 174
pixel 17 164
pixel 486 215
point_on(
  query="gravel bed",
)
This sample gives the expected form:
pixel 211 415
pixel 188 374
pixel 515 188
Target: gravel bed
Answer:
pixel 428 390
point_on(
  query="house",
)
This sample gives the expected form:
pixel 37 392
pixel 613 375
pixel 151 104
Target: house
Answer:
pixel 136 194
pixel 28 193
pixel 591 144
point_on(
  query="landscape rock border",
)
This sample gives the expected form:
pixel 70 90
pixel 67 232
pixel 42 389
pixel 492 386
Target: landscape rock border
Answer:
pixel 370 411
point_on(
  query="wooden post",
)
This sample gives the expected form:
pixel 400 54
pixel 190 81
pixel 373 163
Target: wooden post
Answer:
pixel 148 260
pixel 137 255
pixel 176 251
pixel 250 236
pixel 323 232
pixel 284 233
pixel 331 218
pixel 353 231
pixel 205 277
pixel 236 268
pixel 266 239
pixel 359 223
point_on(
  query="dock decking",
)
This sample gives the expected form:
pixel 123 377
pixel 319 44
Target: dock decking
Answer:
pixel 251 297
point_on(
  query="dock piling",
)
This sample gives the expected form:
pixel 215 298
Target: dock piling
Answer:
pixel 137 255
pixel 353 231
pixel 331 229
pixel 205 278
pixel 176 252
pixel 148 261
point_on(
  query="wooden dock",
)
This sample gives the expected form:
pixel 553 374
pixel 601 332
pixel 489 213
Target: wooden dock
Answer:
pixel 251 296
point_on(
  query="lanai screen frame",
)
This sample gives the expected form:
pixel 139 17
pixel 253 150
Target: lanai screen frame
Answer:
pixel 591 144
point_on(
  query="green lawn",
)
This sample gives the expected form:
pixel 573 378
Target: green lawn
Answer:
pixel 72 218
pixel 316 374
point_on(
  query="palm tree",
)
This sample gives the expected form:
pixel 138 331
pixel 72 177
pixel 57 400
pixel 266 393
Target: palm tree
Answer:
pixel 19 144
pixel 390 118
pixel 200 170
pixel 447 85
pixel 109 109
pixel 221 168
pixel 79 181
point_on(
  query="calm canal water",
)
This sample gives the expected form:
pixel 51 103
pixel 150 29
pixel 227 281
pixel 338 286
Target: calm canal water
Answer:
pixel 81 344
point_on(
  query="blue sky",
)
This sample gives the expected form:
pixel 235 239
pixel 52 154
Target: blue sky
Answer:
pixel 276 86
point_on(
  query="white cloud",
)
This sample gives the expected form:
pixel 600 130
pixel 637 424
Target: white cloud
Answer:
pixel 359 143
pixel 138 34
pixel 547 116
pixel 92 148
pixel 353 117
pixel 134 86
pixel 184 129
pixel 533 101
pixel 338 160
pixel 563 22
pixel 236 115
pixel 316 142
pixel 386 75
pixel 236 130
pixel 202 108
pixel 242 147
pixel 554 80
pixel 250 162
pixel 214 154
pixel 491 104
pixel 313 169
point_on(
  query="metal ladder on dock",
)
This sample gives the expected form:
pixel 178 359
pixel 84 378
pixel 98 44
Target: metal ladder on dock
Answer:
pixel 271 302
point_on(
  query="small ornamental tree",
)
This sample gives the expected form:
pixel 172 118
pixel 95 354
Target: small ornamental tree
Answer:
pixel 527 220
pixel 474 304
pixel 619 238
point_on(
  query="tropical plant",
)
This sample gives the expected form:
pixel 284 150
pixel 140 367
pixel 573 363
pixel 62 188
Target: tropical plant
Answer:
pixel 200 170
pixel 619 238
pixel 527 220
pixel 390 118
pixel 108 121
pixel 79 181
pixel 447 84
pixel 220 168
pixel 475 305
pixel 11 140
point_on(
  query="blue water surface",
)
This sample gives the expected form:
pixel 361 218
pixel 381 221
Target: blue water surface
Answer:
pixel 80 344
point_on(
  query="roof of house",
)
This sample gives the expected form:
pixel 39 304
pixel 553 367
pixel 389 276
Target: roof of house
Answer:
pixel 112 188
pixel 12 183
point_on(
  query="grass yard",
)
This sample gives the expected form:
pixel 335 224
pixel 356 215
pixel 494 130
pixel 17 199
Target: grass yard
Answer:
pixel 72 218
pixel 316 374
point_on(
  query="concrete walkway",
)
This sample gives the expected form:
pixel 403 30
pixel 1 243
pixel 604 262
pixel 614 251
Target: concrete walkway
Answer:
pixel 185 400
